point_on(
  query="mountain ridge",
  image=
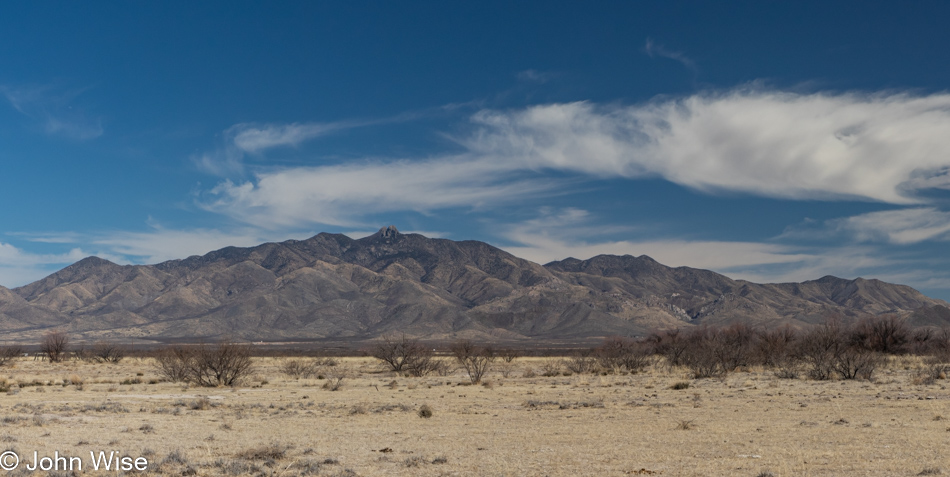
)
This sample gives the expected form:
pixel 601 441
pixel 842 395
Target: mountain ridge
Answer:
pixel 334 287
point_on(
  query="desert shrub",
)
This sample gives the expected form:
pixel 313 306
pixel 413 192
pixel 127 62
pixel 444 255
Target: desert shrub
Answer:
pixel 551 367
pixel 855 362
pixel 425 363
pixel 9 353
pixel 580 363
pixel 402 353
pixel 733 346
pixel 425 411
pixel 887 334
pixel 509 355
pixel 54 345
pixel 299 368
pixel 335 379
pixel 685 425
pixel 273 451
pixel 476 360
pixel 773 347
pixel 680 385
pixel 700 355
pixel 223 364
pixel 820 347
pixel 106 352
pixel 671 344
pixel 172 363
pixel 622 353
pixel 834 349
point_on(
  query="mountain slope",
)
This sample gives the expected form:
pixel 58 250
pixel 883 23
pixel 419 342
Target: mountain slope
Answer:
pixel 333 287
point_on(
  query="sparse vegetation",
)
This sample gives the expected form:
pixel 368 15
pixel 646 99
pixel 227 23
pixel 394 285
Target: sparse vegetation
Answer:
pixel 54 346
pixel 221 364
pixel 475 359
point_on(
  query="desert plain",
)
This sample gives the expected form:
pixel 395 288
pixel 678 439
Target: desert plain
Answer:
pixel 649 423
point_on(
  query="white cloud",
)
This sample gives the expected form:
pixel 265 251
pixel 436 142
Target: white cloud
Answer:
pixel 571 232
pixel 559 234
pixel 341 195
pixel 905 226
pixel 796 146
pixel 873 147
pixel 160 244
pixel 55 111
pixel 652 49
pixel 19 267
pixel 534 76
pixel 254 138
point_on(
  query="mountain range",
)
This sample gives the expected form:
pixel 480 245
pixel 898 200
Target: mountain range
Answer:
pixel 332 287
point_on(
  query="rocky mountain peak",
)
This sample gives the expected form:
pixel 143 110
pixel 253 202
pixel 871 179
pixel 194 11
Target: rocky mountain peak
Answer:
pixel 388 233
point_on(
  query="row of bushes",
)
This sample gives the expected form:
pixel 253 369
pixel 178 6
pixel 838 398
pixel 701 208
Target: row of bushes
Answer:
pixel 404 355
pixel 833 349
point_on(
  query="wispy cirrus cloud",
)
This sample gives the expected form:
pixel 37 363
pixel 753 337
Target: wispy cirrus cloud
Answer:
pixel 885 147
pixel 54 110
pixel 343 194
pixel 559 234
pixel 255 138
pixel 19 267
pixel 901 227
pixel 653 49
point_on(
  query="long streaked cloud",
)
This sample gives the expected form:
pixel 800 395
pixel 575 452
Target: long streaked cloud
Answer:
pixel 572 232
pixel 160 244
pixel 559 234
pixel 255 138
pixel 900 226
pixel 886 147
pixel 342 195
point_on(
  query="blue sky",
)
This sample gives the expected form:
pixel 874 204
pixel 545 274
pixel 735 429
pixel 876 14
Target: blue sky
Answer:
pixel 767 141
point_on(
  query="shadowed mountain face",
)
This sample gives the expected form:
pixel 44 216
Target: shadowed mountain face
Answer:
pixel 334 287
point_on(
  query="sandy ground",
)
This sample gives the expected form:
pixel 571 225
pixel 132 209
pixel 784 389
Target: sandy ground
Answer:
pixel 749 423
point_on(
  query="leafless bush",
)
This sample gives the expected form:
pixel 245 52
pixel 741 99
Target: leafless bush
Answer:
pixel 222 364
pixel 9 353
pixel 834 348
pixel 172 363
pixel 700 354
pixel 427 364
pixel 883 334
pixel 509 355
pixel 475 359
pixel 733 346
pixel 773 347
pixel 551 367
pixel 403 354
pixel 671 344
pixel 335 380
pixel 855 362
pixel 300 368
pixel 820 347
pixel 54 345
pixel 580 363
pixel 623 353
pixel 103 352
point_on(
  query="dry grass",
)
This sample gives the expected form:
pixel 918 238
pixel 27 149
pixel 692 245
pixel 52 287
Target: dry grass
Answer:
pixel 749 423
